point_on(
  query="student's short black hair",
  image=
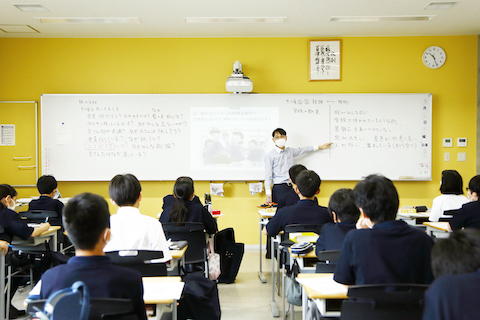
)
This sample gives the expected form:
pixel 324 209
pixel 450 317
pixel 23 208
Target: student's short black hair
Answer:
pixel 474 184
pixel 308 183
pixel 85 216
pixel 295 170
pixel 342 202
pixel 6 190
pixel 457 254
pixel 46 184
pixel 378 198
pixel 280 131
pixel 124 189
pixel 452 182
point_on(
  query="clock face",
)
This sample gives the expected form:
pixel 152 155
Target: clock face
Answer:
pixel 434 57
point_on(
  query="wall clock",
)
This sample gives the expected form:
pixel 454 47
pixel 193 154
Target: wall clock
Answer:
pixel 434 57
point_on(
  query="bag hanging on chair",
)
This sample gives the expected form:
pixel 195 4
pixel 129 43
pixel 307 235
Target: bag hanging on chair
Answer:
pixel 293 289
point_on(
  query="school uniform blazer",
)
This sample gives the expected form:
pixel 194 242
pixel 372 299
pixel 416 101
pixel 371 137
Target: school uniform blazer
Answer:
pixel 47 203
pixel 304 212
pixel 103 279
pixel 196 213
pixel 390 252
pixel 453 297
pixel 288 198
pixel 467 217
pixel 13 226
pixel 332 235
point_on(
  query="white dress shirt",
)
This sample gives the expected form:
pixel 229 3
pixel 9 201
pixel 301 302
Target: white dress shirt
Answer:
pixel 446 202
pixel 131 230
pixel 278 162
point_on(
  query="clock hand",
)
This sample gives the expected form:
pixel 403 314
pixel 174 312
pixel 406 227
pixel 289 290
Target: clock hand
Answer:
pixel 433 57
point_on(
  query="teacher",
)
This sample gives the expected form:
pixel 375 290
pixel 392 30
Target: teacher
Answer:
pixel 278 161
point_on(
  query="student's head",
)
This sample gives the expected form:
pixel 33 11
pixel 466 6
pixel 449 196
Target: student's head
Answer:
pixel 46 184
pixel 124 189
pixel 85 218
pixel 308 183
pixel 183 191
pixel 452 182
pixel 295 170
pixel 459 253
pixel 474 188
pixel 342 203
pixel 8 195
pixel 377 197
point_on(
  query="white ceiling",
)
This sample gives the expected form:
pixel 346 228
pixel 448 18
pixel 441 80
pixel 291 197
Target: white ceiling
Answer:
pixel 305 18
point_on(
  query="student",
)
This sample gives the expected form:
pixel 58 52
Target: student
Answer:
pixel 47 187
pixel 278 161
pixel 452 195
pixel 13 225
pixel 86 219
pixel 306 211
pixel 184 209
pixel 290 197
pixel 170 200
pixel 345 214
pixel 382 249
pixel 130 229
pixel 455 294
pixel 469 215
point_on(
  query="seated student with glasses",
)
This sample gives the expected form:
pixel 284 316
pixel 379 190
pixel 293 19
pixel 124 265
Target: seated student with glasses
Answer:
pixel 87 222
pixel 382 249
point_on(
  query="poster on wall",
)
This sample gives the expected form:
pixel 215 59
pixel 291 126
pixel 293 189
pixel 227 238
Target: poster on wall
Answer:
pixel 7 135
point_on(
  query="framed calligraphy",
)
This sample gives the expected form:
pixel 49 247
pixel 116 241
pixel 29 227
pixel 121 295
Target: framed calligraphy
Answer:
pixel 325 60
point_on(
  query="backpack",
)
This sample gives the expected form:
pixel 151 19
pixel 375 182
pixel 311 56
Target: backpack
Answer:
pixel 199 300
pixel 231 255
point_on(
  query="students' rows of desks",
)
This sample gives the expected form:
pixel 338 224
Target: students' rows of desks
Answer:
pixel 321 287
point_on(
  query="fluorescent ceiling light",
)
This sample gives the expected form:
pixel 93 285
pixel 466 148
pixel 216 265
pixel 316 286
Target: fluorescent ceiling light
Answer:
pixel 235 19
pixel 440 5
pixel 30 7
pixel 88 20
pixel 9 28
pixel 380 18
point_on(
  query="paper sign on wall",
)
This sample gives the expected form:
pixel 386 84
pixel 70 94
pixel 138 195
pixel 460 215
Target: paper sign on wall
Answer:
pixel 7 135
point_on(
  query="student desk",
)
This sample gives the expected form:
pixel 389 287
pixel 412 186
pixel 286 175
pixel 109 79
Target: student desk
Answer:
pixel 330 290
pixel 178 258
pixel 161 291
pixel 264 215
pixel 50 235
pixel 437 229
pixel 156 290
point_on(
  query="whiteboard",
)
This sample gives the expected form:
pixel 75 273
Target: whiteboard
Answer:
pixel 92 137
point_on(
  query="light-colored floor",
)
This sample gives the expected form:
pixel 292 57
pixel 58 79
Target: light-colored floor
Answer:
pixel 247 298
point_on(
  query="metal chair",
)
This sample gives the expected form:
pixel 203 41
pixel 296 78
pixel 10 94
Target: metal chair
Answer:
pixel 384 302
pixel 140 260
pixel 194 234
pixel 39 216
pixel 327 261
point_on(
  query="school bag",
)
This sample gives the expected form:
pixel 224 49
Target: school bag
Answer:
pixel 199 300
pixel 231 255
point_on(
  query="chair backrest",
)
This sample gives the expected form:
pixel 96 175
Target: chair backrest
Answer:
pixel 449 213
pixel 384 302
pixel 100 308
pixel 328 255
pixel 194 233
pixel 140 260
pixel 38 216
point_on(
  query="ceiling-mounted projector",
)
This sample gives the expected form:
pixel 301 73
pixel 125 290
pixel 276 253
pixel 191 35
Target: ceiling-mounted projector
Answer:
pixel 237 82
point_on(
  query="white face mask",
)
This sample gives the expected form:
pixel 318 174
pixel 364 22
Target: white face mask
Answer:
pixel 280 143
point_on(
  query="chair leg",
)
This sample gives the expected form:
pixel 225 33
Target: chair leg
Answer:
pixel 9 288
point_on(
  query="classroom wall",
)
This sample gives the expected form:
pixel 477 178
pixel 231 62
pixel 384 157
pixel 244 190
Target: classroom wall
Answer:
pixel 31 67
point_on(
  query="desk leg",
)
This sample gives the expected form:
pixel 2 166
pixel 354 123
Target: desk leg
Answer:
pixel 174 310
pixel 55 241
pixel 273 303
pixel 304 304
pixel 2 284
pixel 260 273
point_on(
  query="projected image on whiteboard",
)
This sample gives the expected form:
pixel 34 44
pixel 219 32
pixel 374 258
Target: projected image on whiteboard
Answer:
pixel 231 138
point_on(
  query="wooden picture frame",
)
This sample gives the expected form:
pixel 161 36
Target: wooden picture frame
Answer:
pixel 325 60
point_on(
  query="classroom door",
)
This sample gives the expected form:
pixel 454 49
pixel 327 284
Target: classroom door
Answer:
pixel 18 143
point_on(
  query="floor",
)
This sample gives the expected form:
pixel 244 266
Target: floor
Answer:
pixel 247 298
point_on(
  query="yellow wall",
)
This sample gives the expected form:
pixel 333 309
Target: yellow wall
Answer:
pixel 31 67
